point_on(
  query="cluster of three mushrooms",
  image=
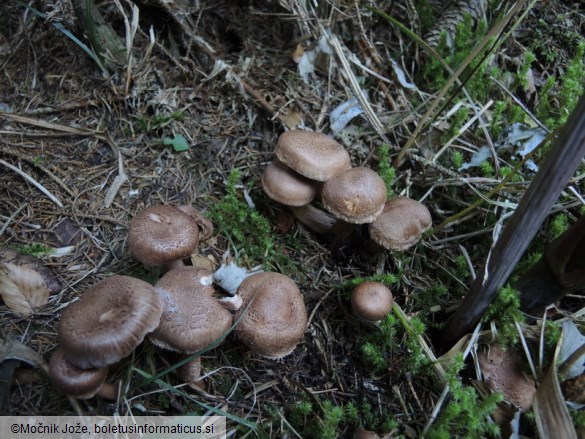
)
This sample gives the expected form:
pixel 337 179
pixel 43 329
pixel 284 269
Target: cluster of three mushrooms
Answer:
pixel 310 165
pixel 192 316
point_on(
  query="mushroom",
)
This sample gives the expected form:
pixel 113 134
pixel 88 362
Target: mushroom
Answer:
pixel 79 383
pixel 205 225
pixel 361 433
pixel 401 224
pixel 163 235
pixel 273 318
pixel 108 322
pixel 314 155
pixel 286 186
pixel 502 371
pixel 317 219
pixel 356 195
pixel 371 301
pixel 192 318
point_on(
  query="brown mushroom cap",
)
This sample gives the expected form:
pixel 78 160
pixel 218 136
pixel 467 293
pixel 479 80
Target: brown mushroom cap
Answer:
pixel 159 235
pixel 401 224
pixel 361 433
pixel 276 319
pixel 286 186
pixel 192 318
pixel 356 195
pixel 109 321
pixel 82 384
pixel 314 155
pixel 502 371
pixel 371 301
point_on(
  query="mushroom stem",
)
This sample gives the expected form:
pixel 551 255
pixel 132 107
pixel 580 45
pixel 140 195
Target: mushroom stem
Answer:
pixel 178 263
pixel 321 221
pixel 191 372
pixel 108 391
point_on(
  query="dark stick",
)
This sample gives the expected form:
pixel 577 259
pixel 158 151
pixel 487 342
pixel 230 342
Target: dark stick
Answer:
pixel 534 207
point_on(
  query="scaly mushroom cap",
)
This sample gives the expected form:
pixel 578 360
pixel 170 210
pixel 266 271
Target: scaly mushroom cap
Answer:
pixel 371 301
pixel 286 186
pixel 276 319
pixel 401 224
pixel 108 322
pixel 159 235
pixel 82 384
pixel 192 318
pixel 314 155
pixel 356 195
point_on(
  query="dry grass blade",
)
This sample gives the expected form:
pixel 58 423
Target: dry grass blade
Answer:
pixel 32 181
pixel 497 30
pixel 120 178
pixel 550 409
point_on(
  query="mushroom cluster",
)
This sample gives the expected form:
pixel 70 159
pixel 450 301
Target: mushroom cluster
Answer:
pixel 181 313
pixel 312 166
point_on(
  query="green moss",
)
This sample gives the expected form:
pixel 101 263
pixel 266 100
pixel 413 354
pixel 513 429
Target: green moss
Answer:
pixel 250 234
pixel 559 96
pixel 385 169
pixel 32 249
pixel 558 225
pixel 504 310
pixel 328 419
pixel 457 159
pixel 466 414
pixel 487 169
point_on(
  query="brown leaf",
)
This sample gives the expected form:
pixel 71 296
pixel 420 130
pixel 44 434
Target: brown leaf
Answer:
pixel 24 290
pixel 14 350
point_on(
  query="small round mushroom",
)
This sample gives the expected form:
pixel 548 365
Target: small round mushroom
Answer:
pixel 361 433
pixel 273 318
pixel 162 235
pixel 192 318
pixel 79 383
pixel 371 301
pixel 401 224
pixel 288 187
pixel 109 321
pixel 314 155
pixel 356 195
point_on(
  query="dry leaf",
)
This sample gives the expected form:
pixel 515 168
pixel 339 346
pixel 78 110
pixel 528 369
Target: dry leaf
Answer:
pixel 24 290
pixel 8 255
pixel 14 350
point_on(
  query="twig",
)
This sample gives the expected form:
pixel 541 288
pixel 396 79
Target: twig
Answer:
pixel 33 182
pixel 11 218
